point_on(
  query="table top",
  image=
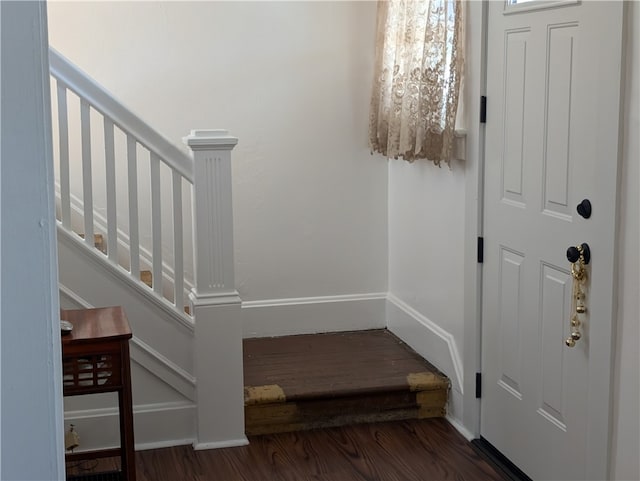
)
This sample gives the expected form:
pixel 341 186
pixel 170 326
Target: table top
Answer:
pixel 96 325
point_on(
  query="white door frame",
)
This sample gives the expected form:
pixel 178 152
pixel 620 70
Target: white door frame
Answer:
pixel 475 86
pixel 476 19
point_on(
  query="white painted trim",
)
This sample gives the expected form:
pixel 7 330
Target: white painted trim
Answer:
pixel 475 87
pixel 155 425
pixel 298 301
pixel 232 443
pixel 309 315
pixel 164 444
pixel 210 139
pixel 137 409
pixel 531 6
pixel 460 144
pixel 104 102
pixel 468 435
pixel 120 274
pixel 32 438
pixel 147 357
pixel 163 368
pixel 426 338
pixel 73 296
pixel 218 299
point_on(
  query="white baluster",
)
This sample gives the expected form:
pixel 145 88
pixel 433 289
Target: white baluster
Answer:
pixel 134 239
pixel 110 169
pixel 63 132
pixel 87 187
pixel 178 254
pixel 156 223
pixel 215 303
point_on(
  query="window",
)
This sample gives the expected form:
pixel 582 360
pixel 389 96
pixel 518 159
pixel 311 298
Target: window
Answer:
pixel 416 79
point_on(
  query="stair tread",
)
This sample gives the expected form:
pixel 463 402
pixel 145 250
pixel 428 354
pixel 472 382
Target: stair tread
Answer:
pixel 297 368
pixel 303 382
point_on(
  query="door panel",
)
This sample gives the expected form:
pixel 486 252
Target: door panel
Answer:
pixel 553 89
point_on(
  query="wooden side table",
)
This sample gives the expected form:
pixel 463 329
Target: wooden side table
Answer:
pixel 95 359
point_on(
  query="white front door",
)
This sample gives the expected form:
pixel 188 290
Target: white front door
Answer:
pixel 553 90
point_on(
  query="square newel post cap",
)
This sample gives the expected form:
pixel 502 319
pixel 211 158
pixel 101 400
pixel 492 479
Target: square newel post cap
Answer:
pixel 201 139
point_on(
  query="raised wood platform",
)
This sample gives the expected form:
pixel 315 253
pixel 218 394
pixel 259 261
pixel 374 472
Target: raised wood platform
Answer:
pixel 303 382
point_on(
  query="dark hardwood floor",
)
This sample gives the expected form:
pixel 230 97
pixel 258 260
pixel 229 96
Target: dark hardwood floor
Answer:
pixel 419 450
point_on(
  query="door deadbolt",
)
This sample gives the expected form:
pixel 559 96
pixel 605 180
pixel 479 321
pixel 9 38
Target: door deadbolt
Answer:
pixel 584 208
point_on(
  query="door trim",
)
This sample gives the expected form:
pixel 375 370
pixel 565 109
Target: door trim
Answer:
pixel 475 87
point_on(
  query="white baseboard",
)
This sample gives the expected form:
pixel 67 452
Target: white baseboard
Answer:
pixel 310 315
pixel 468 435
pixel 155 426
pixel 455 406
pixel 231 443
pixel 426 338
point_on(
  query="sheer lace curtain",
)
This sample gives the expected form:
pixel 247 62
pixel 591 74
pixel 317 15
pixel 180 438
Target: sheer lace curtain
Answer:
pixel 418 67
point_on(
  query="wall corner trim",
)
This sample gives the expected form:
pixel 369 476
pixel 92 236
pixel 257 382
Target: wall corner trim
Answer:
pixel 468 435
pixel 427 338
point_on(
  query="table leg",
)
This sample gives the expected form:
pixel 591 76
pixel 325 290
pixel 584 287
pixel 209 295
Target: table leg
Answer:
pixel 125 400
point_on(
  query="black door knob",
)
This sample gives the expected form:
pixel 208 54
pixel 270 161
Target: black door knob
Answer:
pixel 573 253
pixel 584 208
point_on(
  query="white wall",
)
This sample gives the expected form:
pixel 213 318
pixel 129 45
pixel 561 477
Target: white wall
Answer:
pixel 428 248
pixel 32 444
pixel 292 81
pixel 626 418
pixel 426 240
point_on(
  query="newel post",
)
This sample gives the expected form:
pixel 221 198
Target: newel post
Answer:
pixel 215 303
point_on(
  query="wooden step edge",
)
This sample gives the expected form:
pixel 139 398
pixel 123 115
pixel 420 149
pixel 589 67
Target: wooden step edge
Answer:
pixel 415 382
pixel 147 278
pixel 290 411
pixel 427 381
pixel 98 242
pixel 286 416
pixel 272 414
pixel 267 394
pixel 348 419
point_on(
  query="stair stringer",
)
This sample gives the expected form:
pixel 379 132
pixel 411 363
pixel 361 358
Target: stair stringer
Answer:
pixel 163 337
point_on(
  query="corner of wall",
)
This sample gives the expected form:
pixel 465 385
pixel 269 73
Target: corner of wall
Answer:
pixel 430 341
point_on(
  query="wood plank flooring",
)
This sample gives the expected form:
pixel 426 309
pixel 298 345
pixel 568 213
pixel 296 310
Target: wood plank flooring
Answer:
pixel 413 450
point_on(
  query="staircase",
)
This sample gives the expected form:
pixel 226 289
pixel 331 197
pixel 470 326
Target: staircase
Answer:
pixel 144 225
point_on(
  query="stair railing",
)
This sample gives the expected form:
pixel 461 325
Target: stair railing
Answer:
pixel 97 106
pixel 213 300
